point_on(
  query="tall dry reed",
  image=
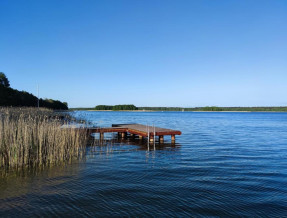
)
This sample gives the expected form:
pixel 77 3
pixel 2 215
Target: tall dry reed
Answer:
pixel 32 137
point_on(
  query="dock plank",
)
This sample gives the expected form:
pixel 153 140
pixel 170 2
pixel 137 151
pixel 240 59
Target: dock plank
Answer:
pixel 143 129
pixel 135 129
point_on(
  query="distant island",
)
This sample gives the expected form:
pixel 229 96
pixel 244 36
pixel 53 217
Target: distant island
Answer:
pixel 131 107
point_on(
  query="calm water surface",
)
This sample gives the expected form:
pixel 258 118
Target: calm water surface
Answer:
pixel 224 164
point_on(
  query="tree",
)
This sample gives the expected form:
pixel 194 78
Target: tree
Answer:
pixel 12 97
pixel 122 107
pixel 103 107
pixel 4 81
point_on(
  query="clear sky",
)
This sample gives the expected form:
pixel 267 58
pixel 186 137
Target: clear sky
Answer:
pixel 147 52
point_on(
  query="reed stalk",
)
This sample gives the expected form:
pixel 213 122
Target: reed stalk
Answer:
pixel 31 137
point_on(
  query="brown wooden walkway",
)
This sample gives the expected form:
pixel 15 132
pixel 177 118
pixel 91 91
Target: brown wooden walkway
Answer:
pixel 137 129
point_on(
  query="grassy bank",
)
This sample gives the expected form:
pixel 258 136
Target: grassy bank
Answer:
pixel 31 137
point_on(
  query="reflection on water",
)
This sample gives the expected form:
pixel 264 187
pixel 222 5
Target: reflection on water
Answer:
pixel 224 164
pixel 19 193
pixel 113 145
pixel 143 144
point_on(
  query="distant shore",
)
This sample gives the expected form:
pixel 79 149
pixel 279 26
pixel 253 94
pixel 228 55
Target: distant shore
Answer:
pixel 133 108
pixel 178 111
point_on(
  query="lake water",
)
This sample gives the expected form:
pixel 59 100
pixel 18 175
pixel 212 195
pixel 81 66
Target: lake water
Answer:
pixel 223 164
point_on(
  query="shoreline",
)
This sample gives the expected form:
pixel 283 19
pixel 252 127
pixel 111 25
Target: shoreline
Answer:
pixel 186 111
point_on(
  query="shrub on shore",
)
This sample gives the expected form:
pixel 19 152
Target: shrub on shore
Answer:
pixel 31 137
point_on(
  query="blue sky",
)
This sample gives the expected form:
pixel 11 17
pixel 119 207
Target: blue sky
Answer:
pixel 147 52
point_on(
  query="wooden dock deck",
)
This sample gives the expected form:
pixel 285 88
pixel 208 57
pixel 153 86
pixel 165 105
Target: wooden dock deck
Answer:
pixel 137 129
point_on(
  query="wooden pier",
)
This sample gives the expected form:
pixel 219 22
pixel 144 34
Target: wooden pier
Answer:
pixel 150 132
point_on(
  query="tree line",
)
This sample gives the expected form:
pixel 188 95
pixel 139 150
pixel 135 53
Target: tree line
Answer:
pixel 120 107
pixel 214 108
pixel 207 108
pixel 12 97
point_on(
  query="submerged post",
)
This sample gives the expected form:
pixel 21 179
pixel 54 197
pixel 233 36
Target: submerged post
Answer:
pixel 161 139
pixel 154 132
pixel 148 134
pixel 101 136
pixel 154 136
pixel 172 138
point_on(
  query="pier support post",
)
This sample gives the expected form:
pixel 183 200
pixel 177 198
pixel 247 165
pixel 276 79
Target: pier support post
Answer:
pixel 123 134
pixel 101 136
pixel 161 139
pixel 140 137
pixel 151 138
pixel 172 138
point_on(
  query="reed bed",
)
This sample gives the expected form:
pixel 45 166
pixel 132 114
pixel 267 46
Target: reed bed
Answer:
pixel 31 137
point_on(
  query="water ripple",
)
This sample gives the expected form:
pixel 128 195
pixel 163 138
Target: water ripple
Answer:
pixel 224 164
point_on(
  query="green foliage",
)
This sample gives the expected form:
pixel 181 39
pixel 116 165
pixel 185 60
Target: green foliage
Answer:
pixel 103 107
pixel 214 108
pixel 81 109
pixel 207 108
pixel 4 81
pixel 124 107
pixel 13 97
pixel 161 108
pixel 120 107
pixel 54 104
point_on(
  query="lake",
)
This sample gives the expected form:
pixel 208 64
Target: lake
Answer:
pixel 223 164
